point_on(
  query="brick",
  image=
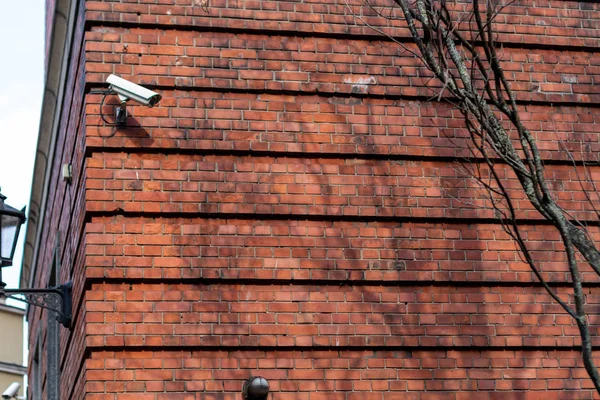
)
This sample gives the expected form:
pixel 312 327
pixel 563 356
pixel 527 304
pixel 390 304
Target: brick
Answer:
pixel 290 208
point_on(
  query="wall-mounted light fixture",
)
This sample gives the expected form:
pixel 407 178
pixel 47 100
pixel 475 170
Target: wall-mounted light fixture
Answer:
pixel 255 388
pixel 57 299
pixel 11 220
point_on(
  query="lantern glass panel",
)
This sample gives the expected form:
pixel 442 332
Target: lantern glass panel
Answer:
pixel 9 225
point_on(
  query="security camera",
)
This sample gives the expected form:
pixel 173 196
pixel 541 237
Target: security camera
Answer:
pixel 128 90
pixel 11 391
pixel 255 388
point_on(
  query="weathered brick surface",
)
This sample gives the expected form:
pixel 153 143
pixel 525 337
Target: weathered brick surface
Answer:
pixel 318 65
pixel 307 186
pixel 548 22
pixel 306 316
pixel 339 375
pixel 189 248
pixel 292 209
pixel 63 221
pixel 314 124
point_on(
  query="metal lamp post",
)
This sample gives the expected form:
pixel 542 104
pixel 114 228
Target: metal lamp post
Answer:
pixel 57 299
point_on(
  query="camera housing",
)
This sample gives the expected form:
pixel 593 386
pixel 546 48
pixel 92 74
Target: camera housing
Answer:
pixel 12 391
pixel 129 90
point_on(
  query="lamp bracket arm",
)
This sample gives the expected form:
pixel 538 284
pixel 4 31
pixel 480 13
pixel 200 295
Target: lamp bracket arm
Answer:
pixel 57 299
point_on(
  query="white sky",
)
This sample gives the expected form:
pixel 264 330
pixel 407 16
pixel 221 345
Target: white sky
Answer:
pixel 22 28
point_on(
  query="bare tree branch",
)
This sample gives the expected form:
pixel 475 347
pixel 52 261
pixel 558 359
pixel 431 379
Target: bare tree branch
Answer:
pixel 461 52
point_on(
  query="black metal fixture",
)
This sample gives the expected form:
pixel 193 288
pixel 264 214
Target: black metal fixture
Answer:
pixel 255 388
pixel 57 299
pixel 11 220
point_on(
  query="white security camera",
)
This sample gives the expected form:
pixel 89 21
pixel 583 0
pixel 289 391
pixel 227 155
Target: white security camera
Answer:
pixel 128 90
pixel 11 391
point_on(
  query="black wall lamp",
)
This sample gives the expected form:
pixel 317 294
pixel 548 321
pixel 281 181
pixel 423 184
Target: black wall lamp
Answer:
pixel 11 220
pixel 255 388
pixel 57 299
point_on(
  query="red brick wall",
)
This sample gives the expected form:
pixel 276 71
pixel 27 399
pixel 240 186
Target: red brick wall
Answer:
pixel 342 375
pixel 289 209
